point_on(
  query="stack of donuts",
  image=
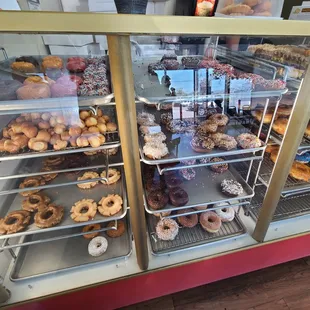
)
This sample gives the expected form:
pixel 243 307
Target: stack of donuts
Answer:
pixel 41 131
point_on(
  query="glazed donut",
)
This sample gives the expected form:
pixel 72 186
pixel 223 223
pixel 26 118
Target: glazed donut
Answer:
pixel 219 119
pixel 223 141
pixel 218 168
pixel 35 202
pixel 188 221
pixel 157 199
pixel 113 176
pixel 52 63
pixel 49 217
pixel 11 146
pixel 14 222
pixel 258 114
pixel 84 210
pixel 226 214
pixel 90 228
pixel 120 229
pixel 110 205
pixel 31 182
pixel 284 110
pixel 231 188
pixel 33 91
pixel 279 126
pixel 178 197
pixel 23 66
pixel 39 79
pixel 172 180
pixel 88 176
pixel 300 171
pixel 111 127
pixel 97 246
pixel 167 229
pixel 248 141
pixel 210 222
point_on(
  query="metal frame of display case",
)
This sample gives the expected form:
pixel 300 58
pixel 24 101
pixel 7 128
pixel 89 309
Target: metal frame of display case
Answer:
pixel 118 29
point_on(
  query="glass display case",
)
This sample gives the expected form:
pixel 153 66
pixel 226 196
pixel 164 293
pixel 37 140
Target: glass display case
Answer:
pixel 150 156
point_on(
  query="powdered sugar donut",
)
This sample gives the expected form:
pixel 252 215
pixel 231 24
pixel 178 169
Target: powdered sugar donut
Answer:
pixel 226 214
pixel 97 246
pixel 155 150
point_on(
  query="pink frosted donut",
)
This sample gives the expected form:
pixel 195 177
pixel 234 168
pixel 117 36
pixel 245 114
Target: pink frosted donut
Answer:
pixel 210 222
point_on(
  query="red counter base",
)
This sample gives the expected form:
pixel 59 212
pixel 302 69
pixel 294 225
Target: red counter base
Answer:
pixel 159 283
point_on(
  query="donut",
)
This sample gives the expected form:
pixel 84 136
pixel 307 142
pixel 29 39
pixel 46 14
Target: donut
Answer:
pixel 304 158
pixel 223 141
pixel 155 137
pixel 39 79
pixel 258 114
pixel 54 161
pixel 88 176
pixel 178 197
pixel 219 119
pixel 231 188
pixel 35 202
pixel 153 67
pixel 190 220
pixel 165 118
pixel 204 161
pixel 14 222
pixel 69 79
pixel 11 146
pixel 97 246
pixel 274 155
pixel 172 180
pixel 300 171
pixel 190 62
pixel 64 90
pixel 110 205
pixel 279 126
pixel 210 222
pixel 154 185
pixel 77 58
pixel 33 91
pixel 90 228
pixel 248 141
pixel 167 229
pixel 207 127
pixel 52 62
pixel 226 214
pixel 30 59
pixel 155 150
pixel 23 66
pixel 157 199
pixel 171 64
pixel 120 229
pixel 271 148
pixel 162 214
pixel 50 216
pixel 144 117
pixel 111 127
pixel 188 162
pixel 113 176
pixel 150 129
pixel 284 110
pixel 188 174
pixel 84 210
pixel 8 89
pixel 31 182
pixel 37 145
pixel 202 144
pixel 218 168
pixel 76 66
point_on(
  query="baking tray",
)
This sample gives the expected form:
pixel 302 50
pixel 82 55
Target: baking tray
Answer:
pixel 189 238
pixel 205 189
pixel 65 254
pixel 66 196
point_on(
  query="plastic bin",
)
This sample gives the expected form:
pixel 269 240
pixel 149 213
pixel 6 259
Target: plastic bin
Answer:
pixel 250 8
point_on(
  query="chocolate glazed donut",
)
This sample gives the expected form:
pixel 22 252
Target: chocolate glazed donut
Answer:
pixel 178 197
pixel 157 199
pixel 172 180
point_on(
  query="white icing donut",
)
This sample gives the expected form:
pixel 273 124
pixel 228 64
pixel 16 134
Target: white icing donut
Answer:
pixel 97 246
pixel 167 229
pixel 226 214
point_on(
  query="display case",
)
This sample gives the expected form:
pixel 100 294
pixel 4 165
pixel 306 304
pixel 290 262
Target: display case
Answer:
pixel 116 168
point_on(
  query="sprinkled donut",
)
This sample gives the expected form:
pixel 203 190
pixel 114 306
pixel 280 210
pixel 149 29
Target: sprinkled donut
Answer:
pixel 218 168
pixel 248 141
pixel 219 119
pixel 157 199
pixel 231 188
pixel 155 137
pixel 167 229
pixel 155 150
pixel 188 174
pixel 226 214
pixel 144 118
pixel 202 144
pixel 190 220
pixel 223 141
pixel 207 127
pixel 210 222
pixel 97 246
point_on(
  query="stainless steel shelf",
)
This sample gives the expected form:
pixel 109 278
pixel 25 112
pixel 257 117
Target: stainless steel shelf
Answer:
pixel 205 190
pixel 65 254
pixel 191 237
pixel 66 196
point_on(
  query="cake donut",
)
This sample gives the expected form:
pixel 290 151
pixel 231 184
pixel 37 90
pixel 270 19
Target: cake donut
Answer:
pixel 178 197
pixel 89 228
pixel 35 202
pixel 88 176
pixel 167 229
pixel 226 214
pixel 172 180
pixel 14 222
pixel 219 119
pixel 190 220
pixel 231 188
pixel 188 174
pixel 248 141
pixel 218 168
pixel 29 183
pixel 110 205
pixel 223 141
pixel 210 222
pixel 120 229
pixel 157 199
pixel 113 176
pixel 97 246
pixel 50 216
pixel 84 210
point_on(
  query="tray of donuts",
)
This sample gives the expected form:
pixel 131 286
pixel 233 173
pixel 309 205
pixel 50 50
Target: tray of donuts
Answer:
pixel 193 187
pixel 42 77
pixel 65 200
pixel 59 132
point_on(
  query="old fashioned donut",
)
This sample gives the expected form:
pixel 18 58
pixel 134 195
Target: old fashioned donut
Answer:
pixel 88 176
pixel 279 126
pixel 173 180
pixel 178 197
pixel 14 222
pixel 35 202
pixel 120 229
pixel 219 119
pixel 226 214
pixel 50 176
pixel 84 210
pixel 113 176
pixel 210 222
pixel 90 228
pixel 248 141
pixel 218 168
pixel 190 220
pixel 167 229
pixel 231 188
pixel 49 217
pixel 300 171
pixel 223 141
pixel 110 205
pixel 97 246
pixel 157 199
pixel 31 182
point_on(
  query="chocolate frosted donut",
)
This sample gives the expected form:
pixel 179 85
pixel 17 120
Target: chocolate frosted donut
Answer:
pixel 172 180
pixel 154 185
pixel 8 89
pixel 157 199
pixel 190 220
pixel 178 197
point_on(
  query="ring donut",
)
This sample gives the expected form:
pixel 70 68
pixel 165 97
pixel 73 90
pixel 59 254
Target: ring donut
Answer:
pixel 31 182
pixel 219 119
pixel 90 228
pixel 226 214
pixel 97 246
pixel 35 202
pixel 88 176
pixel 50 216
pixel 120 229
pixel 113 176
pixel 110 205
pixel 167 229
pixel 84 210
pixel 210 222
pixel 14 222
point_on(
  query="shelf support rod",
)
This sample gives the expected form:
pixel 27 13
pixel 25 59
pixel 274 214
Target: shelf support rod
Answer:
pixel 123 85
pixel 296 127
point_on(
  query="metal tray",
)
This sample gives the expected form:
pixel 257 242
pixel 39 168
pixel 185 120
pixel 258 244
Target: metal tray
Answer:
pixel 191 237
pixel 66 196
pixel 205 189
pixel 56 256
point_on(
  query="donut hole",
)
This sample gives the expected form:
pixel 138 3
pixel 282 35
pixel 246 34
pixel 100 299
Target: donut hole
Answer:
pixel 11 220
pixel 46 215
pixel 84 209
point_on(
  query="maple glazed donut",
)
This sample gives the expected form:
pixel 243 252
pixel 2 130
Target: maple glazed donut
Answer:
pixel 90 228
pixel 35 202
pixel 50 216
